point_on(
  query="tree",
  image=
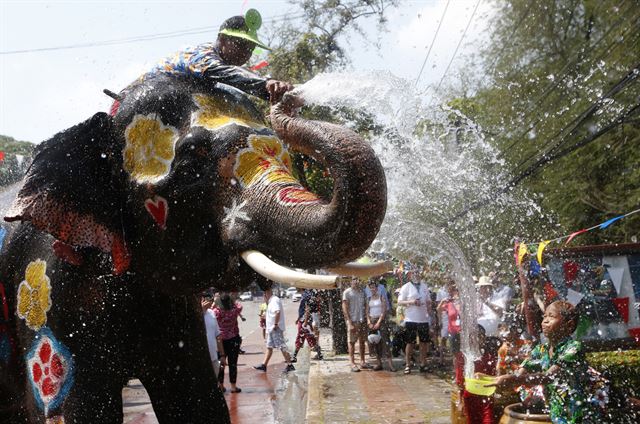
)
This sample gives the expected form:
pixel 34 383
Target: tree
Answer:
pixel 557 73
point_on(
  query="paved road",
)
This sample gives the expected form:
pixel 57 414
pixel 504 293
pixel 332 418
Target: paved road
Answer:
pixel 266 397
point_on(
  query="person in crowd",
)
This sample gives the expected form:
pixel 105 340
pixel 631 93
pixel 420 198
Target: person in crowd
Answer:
pixel 353 309
pixel 214 342
pixel 376 310
pixel 382 291
pixel 489 313
pixel 449 308
pixel 415 297
pixel 442 327
pixel 262 319
pixel 275 332
pixel 560 366
pixel 312 298
pixel 305 329
pixel 221 61
pixel 227 315
pixel 513 350
pixel 479 409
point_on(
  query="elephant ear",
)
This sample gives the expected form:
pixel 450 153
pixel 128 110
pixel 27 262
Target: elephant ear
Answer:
pixel 74 189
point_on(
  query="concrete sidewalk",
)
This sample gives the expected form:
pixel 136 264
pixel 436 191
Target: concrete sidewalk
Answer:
pixel 337 395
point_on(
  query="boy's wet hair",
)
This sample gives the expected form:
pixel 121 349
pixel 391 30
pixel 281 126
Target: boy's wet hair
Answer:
pixel 568 312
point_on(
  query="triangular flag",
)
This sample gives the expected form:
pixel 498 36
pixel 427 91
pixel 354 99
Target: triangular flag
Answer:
pixel 609 222
pixel 541 247
pixel 259 65
pixel 574 297
pixel 515 252
pixel 1 155
pixel 573 235
pixel 522 251
pixel 550 293
pixel 616 277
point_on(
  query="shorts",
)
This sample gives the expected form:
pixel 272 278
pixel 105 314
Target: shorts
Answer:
pixel 359 332
pixel 276 340
pixel 263 323
pixel 315 319
pixel 419 329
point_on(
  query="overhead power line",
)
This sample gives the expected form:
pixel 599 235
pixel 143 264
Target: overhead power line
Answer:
pixel 432 42
pixel 459 44
pixel 140 38
pixel 549 156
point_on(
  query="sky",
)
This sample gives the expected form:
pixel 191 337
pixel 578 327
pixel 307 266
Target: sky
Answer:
pixel 46 91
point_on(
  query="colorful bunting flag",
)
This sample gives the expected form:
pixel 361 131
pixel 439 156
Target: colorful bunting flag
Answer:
pixel 541 247
pixel 572 235
pixel 609 222
pixel 259 65
pixel 522 251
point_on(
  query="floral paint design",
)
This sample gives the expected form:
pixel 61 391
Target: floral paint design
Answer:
pixel 34 295
pixel 214 113
pixel 267 161
pixel 50 370
pixel 149 148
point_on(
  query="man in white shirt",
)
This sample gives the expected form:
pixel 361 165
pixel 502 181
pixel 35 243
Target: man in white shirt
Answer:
pixel 275 331
pixel 353 309
pixel 489 310
pixel 415 297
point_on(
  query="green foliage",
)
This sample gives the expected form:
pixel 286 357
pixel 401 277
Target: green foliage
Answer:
pixel 621 367
pixel 547 63
pixel 10 169
pixel 304 48
pixel 11 145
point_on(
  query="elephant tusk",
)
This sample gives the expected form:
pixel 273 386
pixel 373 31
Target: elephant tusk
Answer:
pixel 264 266
pixel 362 270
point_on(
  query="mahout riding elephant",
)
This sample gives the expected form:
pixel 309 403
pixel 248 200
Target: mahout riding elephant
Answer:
pixel 125 217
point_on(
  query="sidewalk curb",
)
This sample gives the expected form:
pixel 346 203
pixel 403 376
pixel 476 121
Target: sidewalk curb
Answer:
pixel 315 400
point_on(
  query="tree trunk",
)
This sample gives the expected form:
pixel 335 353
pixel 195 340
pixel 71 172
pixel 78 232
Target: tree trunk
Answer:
pixel 338 325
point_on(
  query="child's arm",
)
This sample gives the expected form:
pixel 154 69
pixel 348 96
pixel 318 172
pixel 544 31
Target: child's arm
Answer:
pixel 522 378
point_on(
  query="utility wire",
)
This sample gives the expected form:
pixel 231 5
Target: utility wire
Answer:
pixel 547 157
pixel 631 76
pixel 432 42
pixel 458 46
pixel 149 37
pixel 564 72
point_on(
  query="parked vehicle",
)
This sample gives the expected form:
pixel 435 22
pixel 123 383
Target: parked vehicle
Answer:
pixel 246 296
pixel 296 297
pixel 289 292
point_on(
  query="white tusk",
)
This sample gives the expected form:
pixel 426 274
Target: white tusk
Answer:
pixel 271 270
pixel 362 270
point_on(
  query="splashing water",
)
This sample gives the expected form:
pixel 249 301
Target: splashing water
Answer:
pixel 437 162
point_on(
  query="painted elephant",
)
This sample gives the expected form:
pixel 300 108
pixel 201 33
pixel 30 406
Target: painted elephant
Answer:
pixel 125 217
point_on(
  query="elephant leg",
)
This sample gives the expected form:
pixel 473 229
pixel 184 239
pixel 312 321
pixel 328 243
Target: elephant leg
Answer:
pixel 179 397
pixel 94 402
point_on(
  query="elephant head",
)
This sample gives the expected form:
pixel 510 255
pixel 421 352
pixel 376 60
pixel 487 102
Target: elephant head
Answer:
pixel 182 181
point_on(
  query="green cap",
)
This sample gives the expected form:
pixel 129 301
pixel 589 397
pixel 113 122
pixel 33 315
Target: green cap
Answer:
pixel 245 27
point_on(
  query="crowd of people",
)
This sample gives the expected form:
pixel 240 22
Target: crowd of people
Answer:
pixel 396 314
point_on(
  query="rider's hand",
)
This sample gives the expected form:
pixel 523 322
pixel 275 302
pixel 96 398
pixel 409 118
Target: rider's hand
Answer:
pixel 277 89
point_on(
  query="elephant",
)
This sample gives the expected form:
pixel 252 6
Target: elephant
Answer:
pixel 123 219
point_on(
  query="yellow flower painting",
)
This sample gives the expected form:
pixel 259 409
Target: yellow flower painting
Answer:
pixel 214 113
pixel 265 159
pixel 149 148
pixel 34 295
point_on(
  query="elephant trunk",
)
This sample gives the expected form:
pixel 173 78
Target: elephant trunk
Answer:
pixel 343 229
